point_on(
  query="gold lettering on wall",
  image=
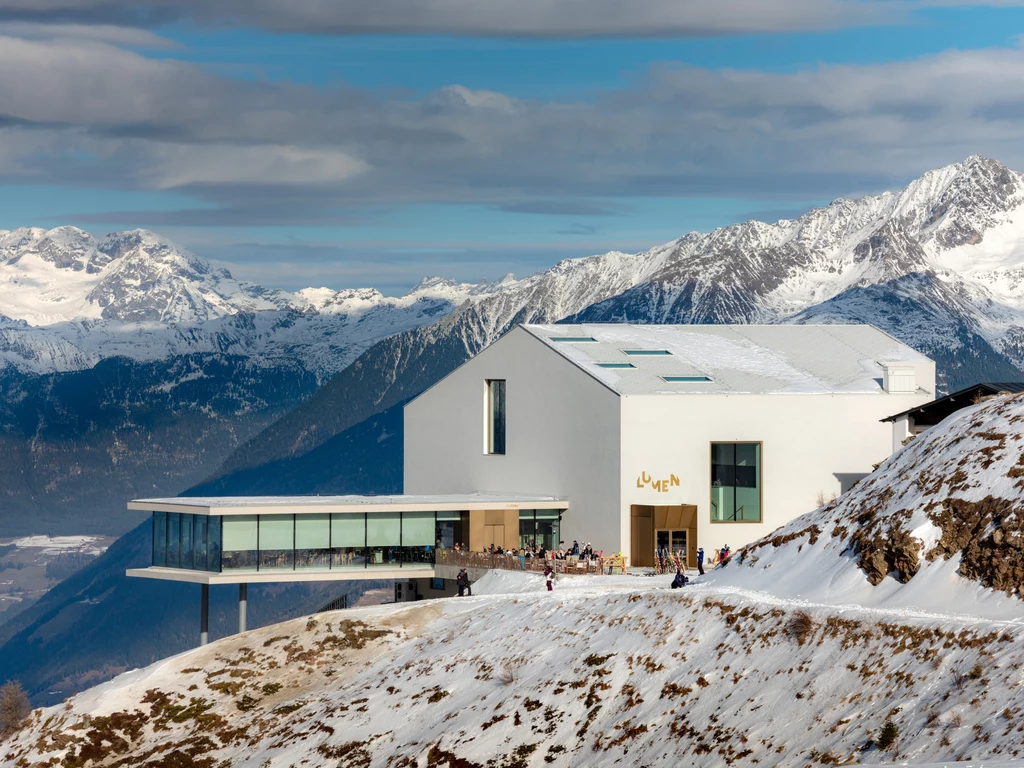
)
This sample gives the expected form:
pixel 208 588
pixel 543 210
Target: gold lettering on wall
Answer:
pixel 661 485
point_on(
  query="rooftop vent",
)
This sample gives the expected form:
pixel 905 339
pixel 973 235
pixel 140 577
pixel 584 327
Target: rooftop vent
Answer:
pixel 899 379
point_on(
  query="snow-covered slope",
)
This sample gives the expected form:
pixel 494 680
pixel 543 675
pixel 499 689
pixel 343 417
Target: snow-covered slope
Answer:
pixel 603 671
pixel 938 527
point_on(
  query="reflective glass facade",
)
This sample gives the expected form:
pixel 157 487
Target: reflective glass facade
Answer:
pixel 735 482
pixel 186 541
pixel 321 541
pixel 539 528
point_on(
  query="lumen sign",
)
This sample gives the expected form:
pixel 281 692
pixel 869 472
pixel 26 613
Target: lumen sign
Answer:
pixel 661 485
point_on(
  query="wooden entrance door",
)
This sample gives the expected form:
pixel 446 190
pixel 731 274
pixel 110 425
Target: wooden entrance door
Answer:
pixel 494 535
pixel 641 535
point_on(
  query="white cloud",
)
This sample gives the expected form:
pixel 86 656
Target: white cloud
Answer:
pixel 129 37
pixel 501 18
pixel 86 112
pixel 183 165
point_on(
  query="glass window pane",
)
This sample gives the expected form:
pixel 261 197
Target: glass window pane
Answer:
pixel 187 558
pixel 383 529
pixel 445 533
pixel 418 529
pixel 277 532
pixel 312 531
pixel 348 530
pixel 496 416
pixel 160 539
pixel 173 539
pixel 313 541
pixel 199 543
pixel 239 534
pixel 277 542
pixel 736 482
pixel 215 545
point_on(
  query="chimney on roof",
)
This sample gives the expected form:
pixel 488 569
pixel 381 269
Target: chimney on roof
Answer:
pixel 899 378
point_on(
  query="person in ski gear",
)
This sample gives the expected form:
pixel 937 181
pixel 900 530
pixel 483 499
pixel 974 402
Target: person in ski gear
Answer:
pixel 462 581
pixel 680 580
pixel 700 560
pixel 549 577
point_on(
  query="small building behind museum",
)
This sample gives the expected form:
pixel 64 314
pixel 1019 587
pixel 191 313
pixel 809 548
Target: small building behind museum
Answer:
pixel 664 436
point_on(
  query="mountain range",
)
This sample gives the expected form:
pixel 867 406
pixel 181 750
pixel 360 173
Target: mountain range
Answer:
pixel 170 345
pixel 134 368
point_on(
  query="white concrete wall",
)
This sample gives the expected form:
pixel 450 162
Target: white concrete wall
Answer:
pixel 562 436
pixel 811 445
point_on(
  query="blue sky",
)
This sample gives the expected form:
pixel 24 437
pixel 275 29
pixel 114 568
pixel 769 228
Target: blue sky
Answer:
pixel 303 151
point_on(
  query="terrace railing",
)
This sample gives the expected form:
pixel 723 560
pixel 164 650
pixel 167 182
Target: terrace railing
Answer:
pixel 571 565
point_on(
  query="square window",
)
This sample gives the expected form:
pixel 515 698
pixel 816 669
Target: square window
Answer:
pixel 736 482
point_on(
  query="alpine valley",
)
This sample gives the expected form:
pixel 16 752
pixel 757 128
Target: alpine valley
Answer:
pixel 131 367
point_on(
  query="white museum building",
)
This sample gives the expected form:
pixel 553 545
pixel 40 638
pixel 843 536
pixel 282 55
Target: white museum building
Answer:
pixel 665 436
pixel 631 437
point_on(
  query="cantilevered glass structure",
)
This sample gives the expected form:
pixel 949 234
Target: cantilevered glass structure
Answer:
pixel 253 539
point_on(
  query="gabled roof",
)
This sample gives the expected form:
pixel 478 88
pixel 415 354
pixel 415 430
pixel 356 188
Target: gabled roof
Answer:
pixel 932 413
pixel 734 359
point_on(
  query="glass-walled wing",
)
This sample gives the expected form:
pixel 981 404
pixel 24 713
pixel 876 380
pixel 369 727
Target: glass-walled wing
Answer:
pixel 300 541
pixel 186 541
pixel 736 482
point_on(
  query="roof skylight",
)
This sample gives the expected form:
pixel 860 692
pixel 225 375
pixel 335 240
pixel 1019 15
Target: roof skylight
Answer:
pixel 616 365
pixel 686 379
pixel 573 339
pixel 647 352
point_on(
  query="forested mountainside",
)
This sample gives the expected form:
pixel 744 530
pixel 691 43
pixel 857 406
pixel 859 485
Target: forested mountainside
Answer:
pixel 99 622
pixel 75 445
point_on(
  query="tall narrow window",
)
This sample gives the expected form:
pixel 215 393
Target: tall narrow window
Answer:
pixel 496 416
pixel 735 482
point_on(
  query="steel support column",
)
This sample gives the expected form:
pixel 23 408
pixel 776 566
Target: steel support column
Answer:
pixel 243 600
pixel 204 614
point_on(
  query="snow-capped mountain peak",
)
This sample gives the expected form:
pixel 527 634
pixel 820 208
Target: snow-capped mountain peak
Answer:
pixel 961 226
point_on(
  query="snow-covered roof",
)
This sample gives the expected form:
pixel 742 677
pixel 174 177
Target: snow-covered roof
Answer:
pixel 248 505
pixel 731 359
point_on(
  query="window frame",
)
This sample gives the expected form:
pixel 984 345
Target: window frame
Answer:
pixel 760 477
pixel 489 420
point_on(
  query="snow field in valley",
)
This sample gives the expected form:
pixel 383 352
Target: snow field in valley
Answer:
pixel 605 670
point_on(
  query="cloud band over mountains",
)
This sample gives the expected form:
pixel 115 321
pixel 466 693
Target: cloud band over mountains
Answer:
pixel 490 18
pixel 82 110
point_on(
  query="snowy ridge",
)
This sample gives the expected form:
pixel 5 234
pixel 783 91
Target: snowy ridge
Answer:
pixel 936 528
pixel 603 671
pixel 948 249
pixel 961 227
pixel 68 300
